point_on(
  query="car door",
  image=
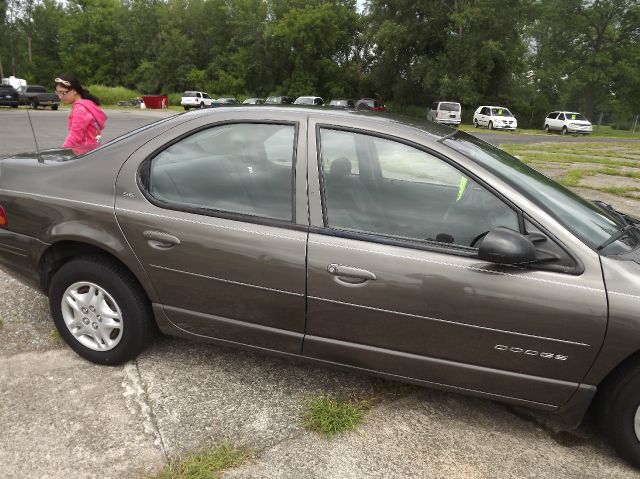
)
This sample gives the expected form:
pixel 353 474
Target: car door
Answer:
pixel 549 121
pixel 395 284
pixel 210 211
pixel 485 116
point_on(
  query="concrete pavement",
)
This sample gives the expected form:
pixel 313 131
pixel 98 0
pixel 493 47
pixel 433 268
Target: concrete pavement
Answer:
pixel 64 417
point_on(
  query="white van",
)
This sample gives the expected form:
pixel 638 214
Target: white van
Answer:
pixel 445 112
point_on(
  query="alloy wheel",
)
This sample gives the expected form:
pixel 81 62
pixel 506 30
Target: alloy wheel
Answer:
pixel 92 316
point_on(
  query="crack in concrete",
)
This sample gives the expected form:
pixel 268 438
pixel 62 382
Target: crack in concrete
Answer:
pixel 137 401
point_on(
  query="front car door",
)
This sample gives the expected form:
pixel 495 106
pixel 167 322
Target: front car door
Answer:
pixel 395 284
pixel 210 211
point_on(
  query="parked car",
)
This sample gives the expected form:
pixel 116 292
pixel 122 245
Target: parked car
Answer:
pixel 309 100
pixel 195 99
pixel 370 104
pixel 253 101
pixel 445 112
pixel 278 100
pixel 342 103
pixel 567 122
pixel 36 96
pixel 300 232
pixel 494 117
pixel 225 101
pixel 9 96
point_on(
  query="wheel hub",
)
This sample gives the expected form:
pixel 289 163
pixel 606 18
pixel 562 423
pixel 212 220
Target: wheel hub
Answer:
pixel 636 423
pixel 92 316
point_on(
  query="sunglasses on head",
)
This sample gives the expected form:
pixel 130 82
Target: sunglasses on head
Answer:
pixel 64 82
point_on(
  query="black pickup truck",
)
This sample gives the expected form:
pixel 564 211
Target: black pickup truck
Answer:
pixel 37 95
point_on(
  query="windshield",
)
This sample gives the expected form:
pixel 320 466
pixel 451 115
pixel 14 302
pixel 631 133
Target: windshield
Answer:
pixel 500 112
pixel 450 106
pixel 593 224
pixel 575 116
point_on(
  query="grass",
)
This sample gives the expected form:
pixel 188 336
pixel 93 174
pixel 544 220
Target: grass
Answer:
pixel 571 163
pixel 598 132
pixel 205 464
pixel 55 335
pixel 329 415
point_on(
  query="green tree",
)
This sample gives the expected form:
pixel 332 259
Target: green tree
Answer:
pixel 587 52
pixel 310 44
pixel 88 33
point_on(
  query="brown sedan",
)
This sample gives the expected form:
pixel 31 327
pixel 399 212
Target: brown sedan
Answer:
pixel 410 251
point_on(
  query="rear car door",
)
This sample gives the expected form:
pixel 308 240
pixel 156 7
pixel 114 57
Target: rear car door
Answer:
pixel 395 284
pixel 210 210
pixel 484 116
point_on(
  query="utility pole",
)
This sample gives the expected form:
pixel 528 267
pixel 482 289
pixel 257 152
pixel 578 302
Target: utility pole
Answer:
pixel 635 123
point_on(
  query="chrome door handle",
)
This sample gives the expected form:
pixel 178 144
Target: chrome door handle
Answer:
pixel 160 240
pixel 349 273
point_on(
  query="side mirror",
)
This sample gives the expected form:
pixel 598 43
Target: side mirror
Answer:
pixel 506 246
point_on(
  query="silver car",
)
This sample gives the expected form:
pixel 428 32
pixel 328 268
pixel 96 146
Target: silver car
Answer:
pixel 410 251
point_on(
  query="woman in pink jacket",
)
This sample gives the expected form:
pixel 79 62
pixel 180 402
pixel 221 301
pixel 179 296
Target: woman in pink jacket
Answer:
pixel 86 119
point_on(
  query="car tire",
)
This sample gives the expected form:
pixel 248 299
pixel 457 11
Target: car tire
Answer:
pixel 475 123
pixel 202 105
pixel 34 104
pixel 54 107
pixel 546 129
pixel 618 411
pixel 84 292
pixel 186 108
pixel 564 130
pixel 490 126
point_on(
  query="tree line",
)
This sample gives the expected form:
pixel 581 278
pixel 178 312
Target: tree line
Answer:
pixel 532 56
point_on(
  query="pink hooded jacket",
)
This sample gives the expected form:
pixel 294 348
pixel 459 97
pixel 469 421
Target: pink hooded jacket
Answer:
pixel 86 121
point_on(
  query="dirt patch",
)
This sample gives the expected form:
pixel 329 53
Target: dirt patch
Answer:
pixel 602 181
pixel 622 203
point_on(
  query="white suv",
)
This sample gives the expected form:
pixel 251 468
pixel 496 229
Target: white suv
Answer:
pixel 195 99
pixel 494 117
pixel 567 122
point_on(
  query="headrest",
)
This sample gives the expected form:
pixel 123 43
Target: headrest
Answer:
pixel 340 167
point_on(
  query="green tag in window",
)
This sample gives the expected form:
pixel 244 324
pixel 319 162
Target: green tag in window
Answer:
pixel 461 187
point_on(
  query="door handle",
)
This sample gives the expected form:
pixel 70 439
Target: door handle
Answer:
pixel 349 274
pixel 160 240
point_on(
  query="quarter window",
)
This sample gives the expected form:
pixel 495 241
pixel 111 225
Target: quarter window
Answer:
pixel 237 168
pixel 397 190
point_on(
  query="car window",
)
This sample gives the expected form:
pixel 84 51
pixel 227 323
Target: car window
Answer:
pixel 561 116
pixel 576 116
pixel 589 222
pixel 552 116
pixel 242 168
pixel 485 111
pixel 404 192
pixel 338 144
pixel 500 112
pixel 449 106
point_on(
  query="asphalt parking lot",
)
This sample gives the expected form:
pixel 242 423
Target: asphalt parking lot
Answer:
pixel 64 417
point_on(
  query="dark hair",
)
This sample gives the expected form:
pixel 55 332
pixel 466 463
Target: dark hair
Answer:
pixel 71 82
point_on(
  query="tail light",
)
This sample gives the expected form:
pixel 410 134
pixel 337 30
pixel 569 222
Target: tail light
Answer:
pixel 4 223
